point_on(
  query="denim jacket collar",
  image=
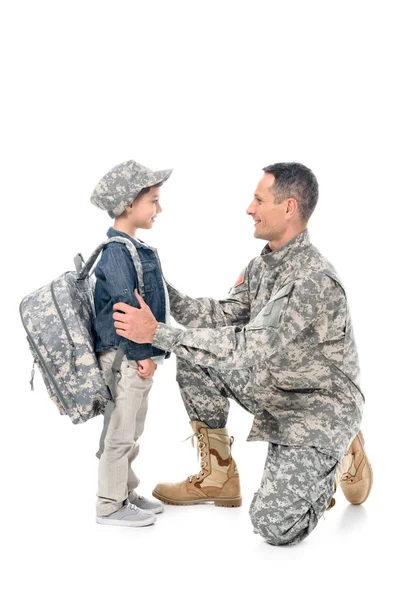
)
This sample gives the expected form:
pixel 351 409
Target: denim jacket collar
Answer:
pixel 114 232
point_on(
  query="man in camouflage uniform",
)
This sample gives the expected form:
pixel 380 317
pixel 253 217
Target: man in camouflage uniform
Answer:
pixel 282 346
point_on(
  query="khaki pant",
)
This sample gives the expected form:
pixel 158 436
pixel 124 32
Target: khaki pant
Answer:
pixel 116 478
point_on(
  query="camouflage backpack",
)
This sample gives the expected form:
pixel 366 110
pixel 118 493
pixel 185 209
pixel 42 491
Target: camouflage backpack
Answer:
pixel 58 320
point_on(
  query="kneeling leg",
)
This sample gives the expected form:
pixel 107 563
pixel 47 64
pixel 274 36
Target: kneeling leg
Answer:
pixel 296 488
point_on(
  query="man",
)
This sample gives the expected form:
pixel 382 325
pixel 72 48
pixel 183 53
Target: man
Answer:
pixel 282 346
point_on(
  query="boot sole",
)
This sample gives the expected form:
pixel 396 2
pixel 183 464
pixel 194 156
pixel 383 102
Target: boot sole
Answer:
pixel 369 467
pixel 225 502
pixel 369 489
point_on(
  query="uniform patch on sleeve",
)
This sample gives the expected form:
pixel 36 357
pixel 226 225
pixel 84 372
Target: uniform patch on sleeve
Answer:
pixel 240 279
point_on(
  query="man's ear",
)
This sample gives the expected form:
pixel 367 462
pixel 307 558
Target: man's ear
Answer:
pixel 291 207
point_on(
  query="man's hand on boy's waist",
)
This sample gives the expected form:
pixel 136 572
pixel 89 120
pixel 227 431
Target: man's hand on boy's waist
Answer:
pixel 135 324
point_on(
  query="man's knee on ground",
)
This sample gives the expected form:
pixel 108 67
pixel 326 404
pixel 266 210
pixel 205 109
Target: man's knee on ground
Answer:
pixel 280 529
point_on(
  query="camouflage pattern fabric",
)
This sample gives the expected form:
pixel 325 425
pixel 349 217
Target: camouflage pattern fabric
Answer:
pixel 288 326
pixel 120 186
pixel 206 392
pixel 297 483
pixel 58 321
pixel 69 371
pixel 296 488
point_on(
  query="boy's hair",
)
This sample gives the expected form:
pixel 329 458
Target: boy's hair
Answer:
pixel 146 190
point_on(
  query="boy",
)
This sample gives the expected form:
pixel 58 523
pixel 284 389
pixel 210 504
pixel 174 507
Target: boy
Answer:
pixel 130 193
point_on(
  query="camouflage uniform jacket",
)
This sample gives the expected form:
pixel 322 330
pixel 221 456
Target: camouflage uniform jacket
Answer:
pixel 286 322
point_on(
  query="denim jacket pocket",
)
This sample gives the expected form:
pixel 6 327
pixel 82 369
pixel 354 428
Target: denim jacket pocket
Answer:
pixel 149 276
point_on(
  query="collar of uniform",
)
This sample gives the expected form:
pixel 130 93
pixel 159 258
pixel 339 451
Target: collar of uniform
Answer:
pixel 114 232
pixel 274 258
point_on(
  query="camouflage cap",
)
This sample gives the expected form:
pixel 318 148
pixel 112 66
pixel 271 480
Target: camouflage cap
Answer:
pixel 120 186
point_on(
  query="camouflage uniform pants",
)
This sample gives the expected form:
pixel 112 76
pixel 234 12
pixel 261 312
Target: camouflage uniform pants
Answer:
pixel 298 481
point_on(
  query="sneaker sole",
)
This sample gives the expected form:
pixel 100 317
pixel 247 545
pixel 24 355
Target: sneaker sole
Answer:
pixel 224 502
pixel 120 522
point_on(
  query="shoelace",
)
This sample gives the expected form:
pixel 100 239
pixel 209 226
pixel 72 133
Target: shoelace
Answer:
pixel 200 454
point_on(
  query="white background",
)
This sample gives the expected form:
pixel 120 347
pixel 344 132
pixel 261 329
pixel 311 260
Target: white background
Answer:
pixel 216 90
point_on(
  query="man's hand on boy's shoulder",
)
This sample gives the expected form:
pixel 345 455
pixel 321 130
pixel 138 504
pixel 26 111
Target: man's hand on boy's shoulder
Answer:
pixel 135 324
pixel 146 368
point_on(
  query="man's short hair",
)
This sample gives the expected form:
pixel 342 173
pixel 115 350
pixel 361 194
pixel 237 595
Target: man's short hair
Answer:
pixel 294 180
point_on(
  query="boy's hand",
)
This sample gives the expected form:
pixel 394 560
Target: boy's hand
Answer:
pixel 146 368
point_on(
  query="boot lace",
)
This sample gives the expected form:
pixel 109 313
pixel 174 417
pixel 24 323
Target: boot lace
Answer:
pixel 348 475
pixel 201 454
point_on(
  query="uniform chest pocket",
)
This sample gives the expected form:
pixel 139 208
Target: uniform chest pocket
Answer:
pixel 270 315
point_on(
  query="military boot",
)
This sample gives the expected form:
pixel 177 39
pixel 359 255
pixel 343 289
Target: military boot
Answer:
pixel 218 478
pixel 355 473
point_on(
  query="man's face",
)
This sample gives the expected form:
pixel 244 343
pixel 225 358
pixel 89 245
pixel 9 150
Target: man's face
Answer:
pixel 269 218
pixel 146 208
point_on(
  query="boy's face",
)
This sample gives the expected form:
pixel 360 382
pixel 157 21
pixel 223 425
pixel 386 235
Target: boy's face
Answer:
pixel 145 209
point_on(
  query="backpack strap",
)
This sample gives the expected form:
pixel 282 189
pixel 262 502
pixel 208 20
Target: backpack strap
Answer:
pixel 111 380
pixel 111 376
pixel 79 262
pixel 85 271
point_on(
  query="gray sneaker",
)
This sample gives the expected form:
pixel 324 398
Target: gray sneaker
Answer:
pixel 149 505
pixel 129 515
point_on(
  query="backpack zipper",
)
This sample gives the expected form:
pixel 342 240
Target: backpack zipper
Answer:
pixel 70 340
pixel 42 361
pixel 33 373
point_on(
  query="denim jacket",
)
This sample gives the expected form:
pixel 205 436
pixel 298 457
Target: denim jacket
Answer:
pixel 116 279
